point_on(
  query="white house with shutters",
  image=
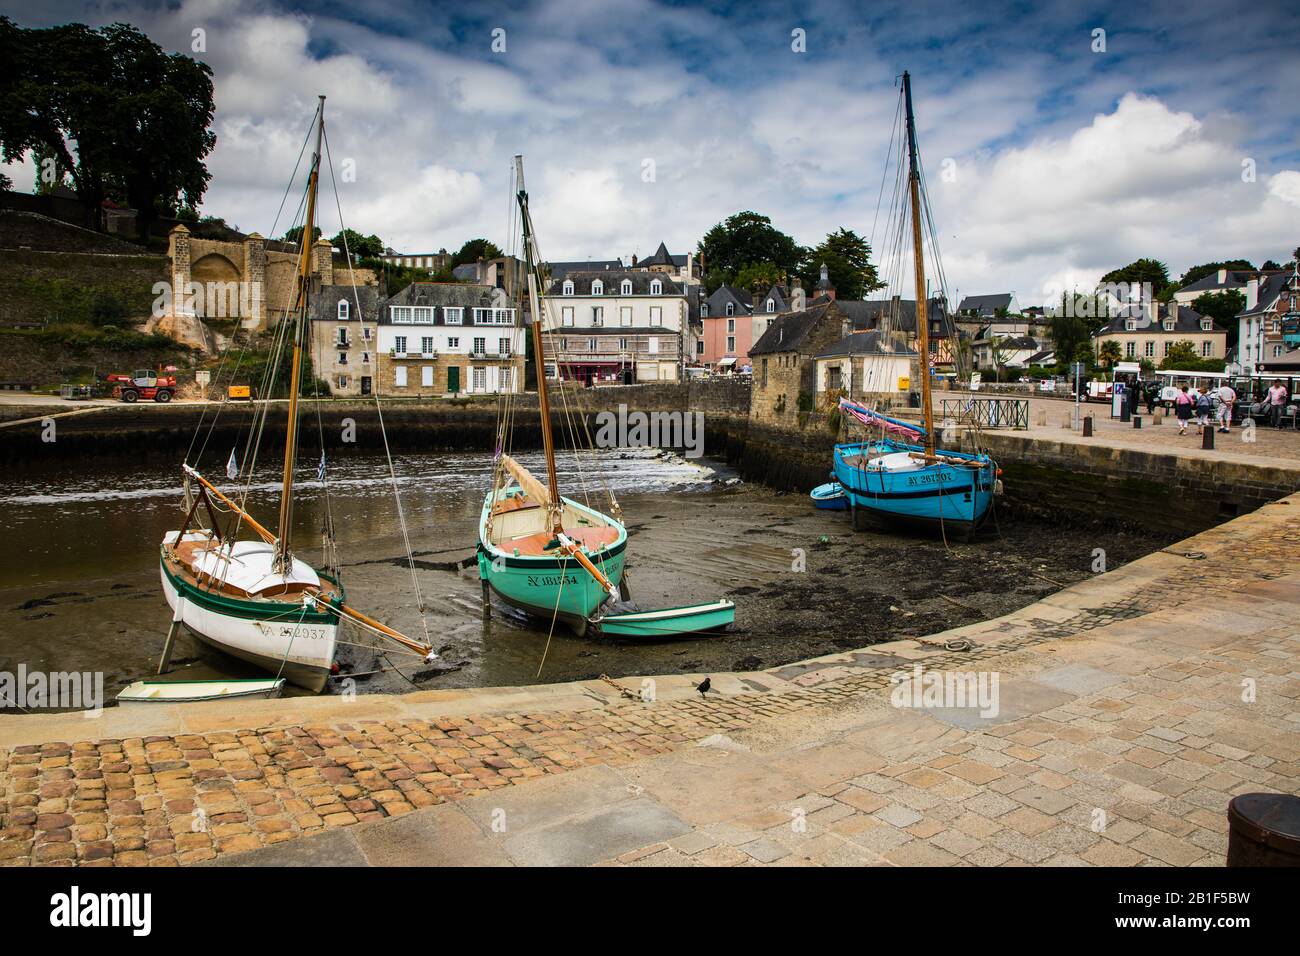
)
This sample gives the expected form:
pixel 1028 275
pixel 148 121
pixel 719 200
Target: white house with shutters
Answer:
pixel 450 339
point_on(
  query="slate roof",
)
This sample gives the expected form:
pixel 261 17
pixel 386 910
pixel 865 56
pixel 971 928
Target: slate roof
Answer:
pixel 866 314
pixel 661 258
pixel 1235 279
pixel 613 280
pixel 779 294
pixel 324 302
pixel 441 295
pixel 724 293
pixel 985 304
pixel 1188 321
pixel 862 343
pixel 789 330
pixel 559 270
pixel 1269 291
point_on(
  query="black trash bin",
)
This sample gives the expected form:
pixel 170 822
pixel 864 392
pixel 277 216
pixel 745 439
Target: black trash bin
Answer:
pixel 1264 830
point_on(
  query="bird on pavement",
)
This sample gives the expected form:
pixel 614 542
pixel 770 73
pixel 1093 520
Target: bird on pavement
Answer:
pixel 703 686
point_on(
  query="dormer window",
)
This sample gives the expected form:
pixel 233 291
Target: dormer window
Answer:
pixel 597 287
pixel 704 310
pixel 656 288
pixel 731 308
pixel 1169 325
pixel 625 288
pixel 1206 325
pixel 568 287
pixel 1130 325
pixel 343 310
pixel 771 305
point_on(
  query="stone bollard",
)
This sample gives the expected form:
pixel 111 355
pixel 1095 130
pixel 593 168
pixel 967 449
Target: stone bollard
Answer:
pixel 1264 830
pixel 1137 421
pixel 1207 438
pixel 1087 427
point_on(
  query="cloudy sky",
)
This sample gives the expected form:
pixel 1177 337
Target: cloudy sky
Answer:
pixel 1180 141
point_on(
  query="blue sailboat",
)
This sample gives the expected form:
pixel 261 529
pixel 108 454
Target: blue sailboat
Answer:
pixel 901 475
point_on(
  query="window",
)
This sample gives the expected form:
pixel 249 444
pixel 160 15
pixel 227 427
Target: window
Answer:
pixel 731 325
pixel 480 380
pixel 1130 350
pixel 652 345
pixel 731 308
pixel 625 315
pixel 566 315
pixel 483 316
pixel 564 343
pixel 453 342
pixel 704 310
pixel 699 347
pixel 591 344
pixel 1167 345
pixel 1207 349
pixel 503 348
pixel 426 344
pixel 1150 348
pixel 343 358
pixel 656 315
pixel 400 313
pixel 731 343
pixel 1206 325
pixel 568 287
pixel 1169 325
pixel 365 334
pixel 656 287
pixel 343 310
pixel 1278 350
pixel 480 346
pixel 453 315
pixel 622 345
pixel 764 379
pixel 342 337
pixel 426 376
pixel 771 305
pixel 597 315
pixel 399 344
pixel 343 381
pixel 365 358
pixel 422 314
pixel 597 287
pixel 625 287
pixel 399 376
pixel 769 322
pixel 1130 325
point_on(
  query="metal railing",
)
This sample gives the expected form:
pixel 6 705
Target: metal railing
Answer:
pixel 988 412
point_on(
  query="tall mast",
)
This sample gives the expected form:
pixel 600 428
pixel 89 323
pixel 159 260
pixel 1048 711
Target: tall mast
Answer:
pixel 283 558
pixel 922 321
pixel 533 263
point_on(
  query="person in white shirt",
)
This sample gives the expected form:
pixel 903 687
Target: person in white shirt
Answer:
pixel 1277 396
pixel 1227 398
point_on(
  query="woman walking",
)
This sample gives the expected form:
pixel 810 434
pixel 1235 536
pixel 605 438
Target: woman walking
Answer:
pixel 1183 409
pixel 1204 409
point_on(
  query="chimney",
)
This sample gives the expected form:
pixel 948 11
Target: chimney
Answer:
pixel 1252 292
pixel 845 329
pixel 1223 276
pixel 634 260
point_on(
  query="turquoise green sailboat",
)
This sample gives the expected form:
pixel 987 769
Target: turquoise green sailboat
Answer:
pixel 552 556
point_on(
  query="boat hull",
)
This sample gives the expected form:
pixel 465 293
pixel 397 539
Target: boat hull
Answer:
pixel 199 691
pixel 830 497
pixel 299 647
pixel 939 495
pixel 547 586
pixel 670 622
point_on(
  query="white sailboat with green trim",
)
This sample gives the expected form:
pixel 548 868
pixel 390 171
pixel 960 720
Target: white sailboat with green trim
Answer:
pixel 255 599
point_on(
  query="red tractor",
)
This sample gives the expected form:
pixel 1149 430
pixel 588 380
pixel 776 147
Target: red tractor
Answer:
pixel 143 384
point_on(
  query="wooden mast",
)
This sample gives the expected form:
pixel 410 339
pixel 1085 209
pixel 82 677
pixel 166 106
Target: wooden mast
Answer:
pixel 533 263
pixel 922 321
pixel 283 558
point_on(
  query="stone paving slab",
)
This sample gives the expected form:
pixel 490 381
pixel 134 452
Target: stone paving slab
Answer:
pixel 1133 706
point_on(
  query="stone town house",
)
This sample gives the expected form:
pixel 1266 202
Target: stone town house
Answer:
pixel 1269 326
pixel 449 339
pixel 344 337
pixel 784 360
pixel 1147 331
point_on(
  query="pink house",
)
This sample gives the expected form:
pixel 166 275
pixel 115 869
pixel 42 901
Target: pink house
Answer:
pixel 728 329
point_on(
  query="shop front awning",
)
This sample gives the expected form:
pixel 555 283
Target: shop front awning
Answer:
pixel 727 361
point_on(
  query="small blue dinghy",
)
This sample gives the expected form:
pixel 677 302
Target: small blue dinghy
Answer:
pixel 830 496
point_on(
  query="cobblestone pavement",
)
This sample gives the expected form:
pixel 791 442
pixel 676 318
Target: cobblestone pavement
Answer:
pixel 1131 708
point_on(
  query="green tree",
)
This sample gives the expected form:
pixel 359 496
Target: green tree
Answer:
pixel 122 117
pixel 1142 271
pixel 758 277
pixel 1222 307
pixel 848 263
pixel 1270 264
pixel 475 249
pixel 741 239
pixel 1072 327
pixel 359 246
pixel 293 236
pixel 1209 268
pixel 1109 354
pixel 1180 355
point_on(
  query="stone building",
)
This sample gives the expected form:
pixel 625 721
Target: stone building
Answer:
pixel 1148 330
pixel 344 336
pixel 864 366
pixel 439 338
pixel 784 360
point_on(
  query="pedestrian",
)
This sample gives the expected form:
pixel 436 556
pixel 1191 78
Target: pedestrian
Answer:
pixel 1204 409
pixel 1183 409
pixel 1277 396
pixel 1227 398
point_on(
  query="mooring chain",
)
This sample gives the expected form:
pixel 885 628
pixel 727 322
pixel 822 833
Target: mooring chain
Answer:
pixel 619 687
